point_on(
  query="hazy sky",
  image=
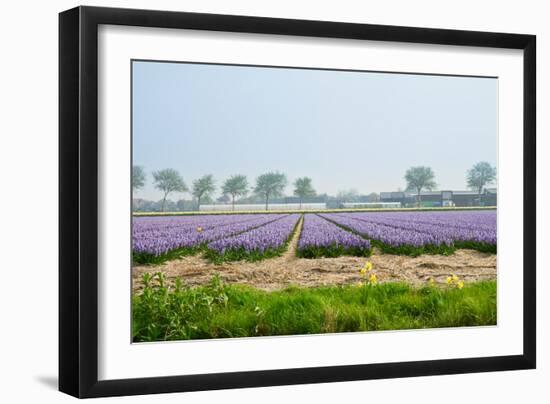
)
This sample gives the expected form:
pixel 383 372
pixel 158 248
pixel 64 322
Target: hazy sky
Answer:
pixel 343 129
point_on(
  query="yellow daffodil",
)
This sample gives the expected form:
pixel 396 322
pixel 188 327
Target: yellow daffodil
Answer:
pixel 449 280
pixel 460 284
pixel 363 271
pixel 372 279
pixel 368 266
pixel 454 277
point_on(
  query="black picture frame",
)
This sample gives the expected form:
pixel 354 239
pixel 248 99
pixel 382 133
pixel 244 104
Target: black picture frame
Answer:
pixel 78 201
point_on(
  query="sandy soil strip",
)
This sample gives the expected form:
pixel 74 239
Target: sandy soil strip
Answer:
pixel 288 269
pixel 290 253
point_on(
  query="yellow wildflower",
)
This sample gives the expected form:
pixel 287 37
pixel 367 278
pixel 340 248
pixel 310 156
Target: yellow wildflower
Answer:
pixel 460 284
pixel 454 277
pixel 199 229
pixel 449 280
pixel 363 271
pixel 368 266
pixel 372 279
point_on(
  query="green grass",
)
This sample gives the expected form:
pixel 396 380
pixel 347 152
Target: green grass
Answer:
pixel 217 310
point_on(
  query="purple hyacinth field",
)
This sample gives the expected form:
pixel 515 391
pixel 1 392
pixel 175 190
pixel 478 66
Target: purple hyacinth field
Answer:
pixel 321 238
pixel 261 242
pixel 157 236
pixel 258 236
pixel 418 232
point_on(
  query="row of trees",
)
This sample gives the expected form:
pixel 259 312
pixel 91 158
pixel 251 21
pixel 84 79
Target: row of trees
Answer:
pixel 272 184
pixel 268 185
pixel 477 178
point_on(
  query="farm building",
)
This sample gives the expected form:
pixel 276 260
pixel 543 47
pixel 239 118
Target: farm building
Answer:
pixel 443 198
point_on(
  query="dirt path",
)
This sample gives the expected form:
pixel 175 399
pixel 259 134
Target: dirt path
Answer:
pixel 288 269
pixel 290 253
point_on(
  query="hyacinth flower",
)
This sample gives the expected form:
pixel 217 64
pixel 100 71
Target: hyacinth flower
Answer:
pixel 321 238
pixel 421 229
pixel 159 235
pixel 271 236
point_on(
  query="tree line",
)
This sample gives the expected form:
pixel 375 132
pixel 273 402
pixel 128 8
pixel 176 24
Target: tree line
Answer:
pixel 269 185
pixel 480 175
pixel 272 184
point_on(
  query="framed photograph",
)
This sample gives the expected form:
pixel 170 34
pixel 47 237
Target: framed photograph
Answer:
pixel 250 201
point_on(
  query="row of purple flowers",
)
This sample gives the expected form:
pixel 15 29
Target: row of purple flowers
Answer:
pixel 321 238
pixel 160 235
pixel 268 240
pixel 328 235
pixel 444 230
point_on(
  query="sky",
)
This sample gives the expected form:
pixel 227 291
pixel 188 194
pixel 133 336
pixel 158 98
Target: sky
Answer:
pixel 345 130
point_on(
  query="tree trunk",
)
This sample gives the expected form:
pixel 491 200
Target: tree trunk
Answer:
pixel 233 202
pixel 199 203
pixel 266 199
pixel 300 203
pixel 479 195
pixel 164 201
pixel 418 197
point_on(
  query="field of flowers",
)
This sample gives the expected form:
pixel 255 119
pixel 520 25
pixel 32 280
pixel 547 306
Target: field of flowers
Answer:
pixel 262 242
pixel 157 238
pixel 423 232
pixel 258 236
pixel 321 238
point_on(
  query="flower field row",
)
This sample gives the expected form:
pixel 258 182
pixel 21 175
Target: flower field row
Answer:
pixel 256 236
pixel 482 220
pixel 475 229
pixel 419 232
pixel 262 242
pixel 321 238
pixel 168 237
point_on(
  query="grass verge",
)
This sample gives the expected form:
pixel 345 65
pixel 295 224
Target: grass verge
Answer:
pixel 217 310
